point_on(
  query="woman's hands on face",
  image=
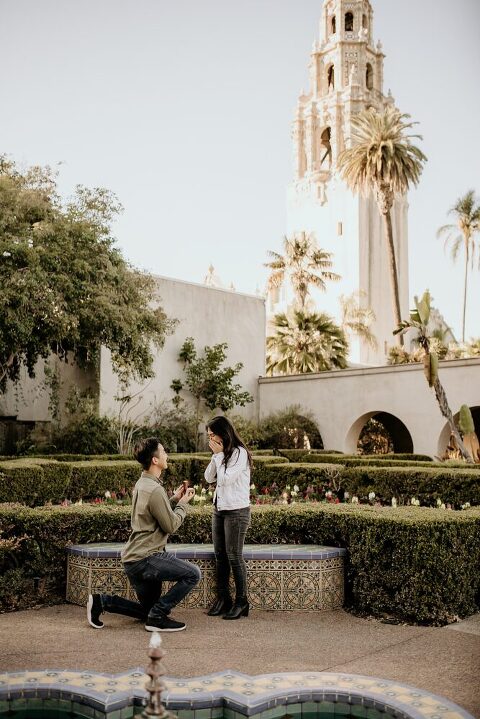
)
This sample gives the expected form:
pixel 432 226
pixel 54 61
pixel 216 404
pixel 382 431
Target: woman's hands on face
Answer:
pixel 215 445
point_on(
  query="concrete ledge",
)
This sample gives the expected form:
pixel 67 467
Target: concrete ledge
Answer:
pixel 280 577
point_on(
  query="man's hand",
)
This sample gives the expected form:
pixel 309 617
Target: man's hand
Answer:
pixel 179 493
pixel 187 497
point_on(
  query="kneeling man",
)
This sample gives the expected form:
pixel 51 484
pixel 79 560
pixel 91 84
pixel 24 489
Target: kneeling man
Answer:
pixel 146 563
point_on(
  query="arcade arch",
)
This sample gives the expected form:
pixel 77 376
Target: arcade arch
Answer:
pixel 444 437
pixel 398 431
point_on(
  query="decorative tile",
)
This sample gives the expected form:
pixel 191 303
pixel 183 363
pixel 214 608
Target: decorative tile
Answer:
pixel 279 577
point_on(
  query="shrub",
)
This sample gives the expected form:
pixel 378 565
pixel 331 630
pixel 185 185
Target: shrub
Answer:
pixel 288 429
pixel 312 480
pixel 87 435
pixel 176 427
pixel 426 484
pixel 33 481
pixel 416 564
pixel 298 455
pixel 353 460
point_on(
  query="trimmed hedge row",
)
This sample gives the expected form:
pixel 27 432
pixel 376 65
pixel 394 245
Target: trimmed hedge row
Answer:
pixel 298 455
pixel 35 481
pixel 372 461
pixel 415 564
pixel 452 486
pixel 426 484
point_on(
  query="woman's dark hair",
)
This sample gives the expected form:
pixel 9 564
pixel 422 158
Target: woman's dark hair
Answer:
pixel 145 450
pixel 223 428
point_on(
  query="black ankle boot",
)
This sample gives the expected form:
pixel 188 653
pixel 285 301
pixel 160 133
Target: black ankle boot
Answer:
pixel 239 609
pixel 221 606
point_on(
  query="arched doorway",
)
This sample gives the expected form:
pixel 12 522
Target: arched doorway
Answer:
pixel 397 437
pixel 444 438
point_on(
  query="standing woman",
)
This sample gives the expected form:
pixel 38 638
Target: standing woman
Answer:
pixel 230 468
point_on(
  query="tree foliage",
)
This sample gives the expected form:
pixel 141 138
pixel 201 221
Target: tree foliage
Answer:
pixel 210 383
pixel 64 287
pixel 304 264
pixel 418 321
pixel 356 318
pixel 462 235
pixel 383 160
pixel 305 342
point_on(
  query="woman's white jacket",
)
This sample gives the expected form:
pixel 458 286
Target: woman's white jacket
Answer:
pixel 233 481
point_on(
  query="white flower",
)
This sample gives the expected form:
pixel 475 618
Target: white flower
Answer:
pixel 80 501
pixel 415 502
pixel 354 500
pixel 195 486
pixel 293 493
pixel 204 491
pixel 346 495
pixel 252 487
pixel 439 502
pixel 394 502
pixel 107 494
pixel 466 505
pixel 296 488
pixel 287 487
pixel 442 506
pixel 210 493
pixel 6 254
pixel 328 494
pixel 371 496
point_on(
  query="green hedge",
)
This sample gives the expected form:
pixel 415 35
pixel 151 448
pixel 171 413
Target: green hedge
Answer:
pixel 415 564
pixel 35 481
pixel 353 460
pixel 296 455
pixel 302 455
pixel 427 484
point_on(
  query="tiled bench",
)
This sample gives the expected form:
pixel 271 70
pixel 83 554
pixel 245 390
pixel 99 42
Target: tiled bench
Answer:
pixel 305 577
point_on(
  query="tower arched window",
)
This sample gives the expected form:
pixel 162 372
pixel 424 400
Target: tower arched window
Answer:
pixel 349 22
pixel 325 154
pixel 331 76
pixel 369 77
pixel 333 25
pixel 364 22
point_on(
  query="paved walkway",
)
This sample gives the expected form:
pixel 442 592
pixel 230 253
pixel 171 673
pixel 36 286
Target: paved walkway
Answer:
pixel 444 660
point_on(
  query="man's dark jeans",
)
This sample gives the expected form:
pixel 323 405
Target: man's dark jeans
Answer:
pixel 229 528
pixel 146 577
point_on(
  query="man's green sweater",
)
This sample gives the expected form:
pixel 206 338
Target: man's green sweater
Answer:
pixel 154 517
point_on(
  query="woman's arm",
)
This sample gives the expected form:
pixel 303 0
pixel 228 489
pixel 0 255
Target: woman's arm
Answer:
pixel 211 471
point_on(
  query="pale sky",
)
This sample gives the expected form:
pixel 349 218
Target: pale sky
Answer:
pixel 183 109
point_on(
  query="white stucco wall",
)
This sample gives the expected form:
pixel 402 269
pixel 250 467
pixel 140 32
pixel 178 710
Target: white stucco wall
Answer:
pixel 210 316
pixel 28 399
pixel 342 401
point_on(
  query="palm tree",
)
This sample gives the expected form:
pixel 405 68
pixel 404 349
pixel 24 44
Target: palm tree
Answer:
pixel 357 319
pixel 419 318
pixel 467 215
pixel 305 342
pixel 383 160
pixel 304 263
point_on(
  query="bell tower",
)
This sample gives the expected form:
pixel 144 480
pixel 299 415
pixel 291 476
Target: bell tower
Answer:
pixel 345 77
